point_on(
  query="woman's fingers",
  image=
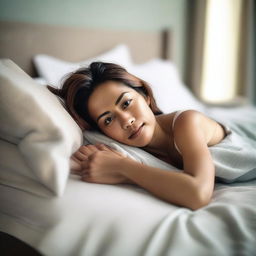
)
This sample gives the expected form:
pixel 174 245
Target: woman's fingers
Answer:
pixel 75 166
pixel 116 152
pixel 79 168
pixel 84 165
pixel 107 148
pixel 79 156
pixel 75 159
pixel 84 152
pixel 88 149
pixel 102 147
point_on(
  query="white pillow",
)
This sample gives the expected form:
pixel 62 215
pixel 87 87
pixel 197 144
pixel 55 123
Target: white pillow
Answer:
pixel 169 91
pixel 135 153
pixel 34 119
pixel 40 81
pixel 16 173
pixel 53 70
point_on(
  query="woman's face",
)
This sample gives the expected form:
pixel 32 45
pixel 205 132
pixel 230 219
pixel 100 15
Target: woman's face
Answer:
pixel 122 114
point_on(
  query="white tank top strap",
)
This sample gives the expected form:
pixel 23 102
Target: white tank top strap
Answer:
pixel 173 123
pixel 176 116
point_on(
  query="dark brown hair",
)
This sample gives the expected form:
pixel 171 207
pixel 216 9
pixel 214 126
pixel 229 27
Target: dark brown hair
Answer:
pixel 79 85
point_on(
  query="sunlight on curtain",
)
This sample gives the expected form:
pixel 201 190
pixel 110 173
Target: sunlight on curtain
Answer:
pixel 221 50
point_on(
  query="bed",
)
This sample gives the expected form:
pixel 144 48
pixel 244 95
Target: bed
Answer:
pixel 49 211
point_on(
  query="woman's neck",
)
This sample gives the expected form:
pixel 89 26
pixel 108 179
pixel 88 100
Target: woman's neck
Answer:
pixel 162 138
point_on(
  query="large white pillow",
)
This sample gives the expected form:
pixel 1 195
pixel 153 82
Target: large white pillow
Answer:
pixel 16 173
pixel 34 120
pixel 53 70
pixel 169 91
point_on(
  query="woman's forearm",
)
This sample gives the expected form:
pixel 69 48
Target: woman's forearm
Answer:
pixel 174 187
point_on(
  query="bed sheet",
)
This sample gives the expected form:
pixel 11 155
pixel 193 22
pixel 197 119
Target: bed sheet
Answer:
pixel 245 113
pixel 92 219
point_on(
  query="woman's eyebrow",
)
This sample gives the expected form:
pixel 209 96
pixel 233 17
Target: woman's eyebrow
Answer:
pixel 120 97
pixel 103 114
pixel 117 101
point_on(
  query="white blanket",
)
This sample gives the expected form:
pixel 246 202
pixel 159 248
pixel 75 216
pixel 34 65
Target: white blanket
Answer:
pixel 93 219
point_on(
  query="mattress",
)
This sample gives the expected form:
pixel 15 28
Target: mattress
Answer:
pixel 92 219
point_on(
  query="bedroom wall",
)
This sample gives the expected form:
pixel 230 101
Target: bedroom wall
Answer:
pixel 114 14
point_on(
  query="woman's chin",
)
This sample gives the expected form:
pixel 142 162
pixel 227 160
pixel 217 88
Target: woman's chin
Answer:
pixel 141 141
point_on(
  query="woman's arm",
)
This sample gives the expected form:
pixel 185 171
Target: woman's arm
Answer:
pixel 192 132
pixel 192 188
pixel 174 187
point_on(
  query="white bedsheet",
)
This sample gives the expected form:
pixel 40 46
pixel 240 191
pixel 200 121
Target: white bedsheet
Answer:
pixel 92 219
pixel 115 220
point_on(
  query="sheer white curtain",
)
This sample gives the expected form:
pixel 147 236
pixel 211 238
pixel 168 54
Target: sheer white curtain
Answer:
pixel 220 50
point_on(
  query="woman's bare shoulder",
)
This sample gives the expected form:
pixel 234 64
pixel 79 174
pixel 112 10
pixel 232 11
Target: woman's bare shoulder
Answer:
pixel 165 120
pixel 193 121
pixel 182 118
pixel 187 117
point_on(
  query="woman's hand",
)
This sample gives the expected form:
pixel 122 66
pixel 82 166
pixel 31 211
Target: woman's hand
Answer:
pixel 79 156
pixel 100 164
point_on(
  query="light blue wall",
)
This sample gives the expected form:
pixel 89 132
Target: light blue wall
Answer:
pixel 148 15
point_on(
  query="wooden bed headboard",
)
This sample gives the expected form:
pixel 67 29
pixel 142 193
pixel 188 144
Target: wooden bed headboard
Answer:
pixel 21 41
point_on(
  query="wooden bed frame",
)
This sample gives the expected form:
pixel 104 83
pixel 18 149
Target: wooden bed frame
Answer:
pixel 21 41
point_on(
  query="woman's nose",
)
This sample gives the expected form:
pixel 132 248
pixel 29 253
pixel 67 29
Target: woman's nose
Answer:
pixel 127 121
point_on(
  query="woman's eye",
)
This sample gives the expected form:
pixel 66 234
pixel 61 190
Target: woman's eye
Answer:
pixel 108 120
pixel 127 103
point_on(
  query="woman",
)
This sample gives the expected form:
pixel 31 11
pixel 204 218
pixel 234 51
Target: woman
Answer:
pixel 107 98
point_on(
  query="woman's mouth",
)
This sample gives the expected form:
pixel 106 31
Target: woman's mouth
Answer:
pixel 137 132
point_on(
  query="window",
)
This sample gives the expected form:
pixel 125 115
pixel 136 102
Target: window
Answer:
pixel 220 63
